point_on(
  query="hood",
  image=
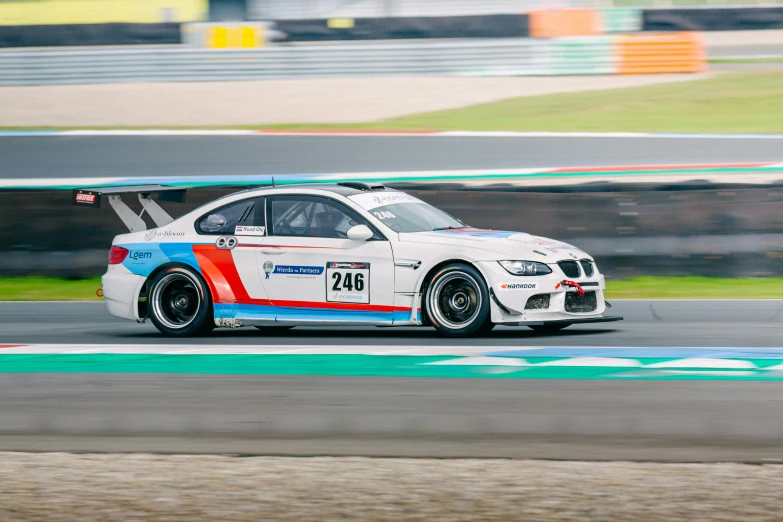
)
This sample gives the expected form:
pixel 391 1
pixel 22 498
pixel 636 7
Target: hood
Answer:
pixel 514 245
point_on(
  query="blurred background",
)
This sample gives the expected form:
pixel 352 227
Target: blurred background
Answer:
pixel 647 132
pixel 703 71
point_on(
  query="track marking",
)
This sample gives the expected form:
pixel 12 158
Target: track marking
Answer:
pixel 481 361
pixel 604 362
pixel 378 133
pixel 703 363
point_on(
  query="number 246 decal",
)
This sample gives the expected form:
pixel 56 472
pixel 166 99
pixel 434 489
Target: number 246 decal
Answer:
pixel 350 282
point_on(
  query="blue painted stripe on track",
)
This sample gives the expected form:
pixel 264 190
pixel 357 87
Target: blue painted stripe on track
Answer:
pixel 29 133
pixel 629 352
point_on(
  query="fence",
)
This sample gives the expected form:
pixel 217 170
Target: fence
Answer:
pixel 520 57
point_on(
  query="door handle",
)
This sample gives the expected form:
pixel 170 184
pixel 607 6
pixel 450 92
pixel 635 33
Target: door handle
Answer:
pixel 273 251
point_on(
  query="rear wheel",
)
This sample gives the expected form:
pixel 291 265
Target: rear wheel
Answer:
pixel 180 303
pixel 549 328
pixel 457 301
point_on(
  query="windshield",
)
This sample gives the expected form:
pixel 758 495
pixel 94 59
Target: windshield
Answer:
pixel 403 213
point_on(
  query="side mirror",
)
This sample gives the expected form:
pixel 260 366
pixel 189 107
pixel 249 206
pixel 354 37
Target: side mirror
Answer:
pixel 359 233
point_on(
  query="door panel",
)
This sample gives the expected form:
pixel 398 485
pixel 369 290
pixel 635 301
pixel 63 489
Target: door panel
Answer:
pixel 227 257
pixel 308 252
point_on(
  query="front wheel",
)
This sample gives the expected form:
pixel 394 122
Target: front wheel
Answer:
pixel 457 301
pixel 181 305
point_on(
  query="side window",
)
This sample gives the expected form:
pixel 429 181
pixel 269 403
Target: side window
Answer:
pixel 312 216
pixel 224 220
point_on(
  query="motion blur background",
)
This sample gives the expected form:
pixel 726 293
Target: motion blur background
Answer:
pixel 648 132
pixel 686 66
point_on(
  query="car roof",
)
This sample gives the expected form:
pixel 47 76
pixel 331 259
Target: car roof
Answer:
pixel 348 188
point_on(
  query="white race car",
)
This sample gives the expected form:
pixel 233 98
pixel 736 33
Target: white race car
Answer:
pixel 342 254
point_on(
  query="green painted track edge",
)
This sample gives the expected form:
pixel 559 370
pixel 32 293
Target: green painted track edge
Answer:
pixel 352 366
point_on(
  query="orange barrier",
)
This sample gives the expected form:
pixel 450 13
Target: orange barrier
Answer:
pixel 548 23
pixel 660 53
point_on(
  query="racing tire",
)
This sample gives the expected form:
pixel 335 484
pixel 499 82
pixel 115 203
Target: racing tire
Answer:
pixel 487 327
pixel 456 301
pixel 180 303
pixel 548 328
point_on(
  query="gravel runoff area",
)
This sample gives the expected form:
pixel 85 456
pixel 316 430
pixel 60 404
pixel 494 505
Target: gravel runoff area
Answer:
pixel 56 486
pixel 338 100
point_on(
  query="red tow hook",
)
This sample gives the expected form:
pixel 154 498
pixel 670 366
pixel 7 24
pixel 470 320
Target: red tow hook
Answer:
pixel 573 284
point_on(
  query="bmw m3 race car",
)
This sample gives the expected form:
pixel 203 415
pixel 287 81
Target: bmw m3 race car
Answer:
pixel 342 254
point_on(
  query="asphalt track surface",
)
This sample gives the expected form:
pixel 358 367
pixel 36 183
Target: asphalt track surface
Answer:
pixel 653 324
pixel 320 415
pixel 136 156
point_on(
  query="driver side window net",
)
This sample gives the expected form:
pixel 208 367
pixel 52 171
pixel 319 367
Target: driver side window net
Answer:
pixel 311 217
pixel 248 212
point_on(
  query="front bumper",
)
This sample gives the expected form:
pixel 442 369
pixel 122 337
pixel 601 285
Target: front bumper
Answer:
pixel 567 322
pixel 509 297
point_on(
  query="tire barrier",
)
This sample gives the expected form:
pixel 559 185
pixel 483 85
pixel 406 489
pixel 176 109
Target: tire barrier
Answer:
pixel 660 53
pixel 551 23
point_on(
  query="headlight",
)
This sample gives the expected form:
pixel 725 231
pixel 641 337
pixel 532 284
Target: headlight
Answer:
pixel 525 268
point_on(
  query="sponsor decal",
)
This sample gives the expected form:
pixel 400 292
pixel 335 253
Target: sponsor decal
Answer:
pixel 169 233
pixel 391 198
pixel 347 298
pixel 371 201
pixel 85 198
pixel 268 268
pixel 292 270
pixel 348 282
pixel 152 234
pixel 349 265
pixel 249 231
pixel 298 270
pixel 519 286
pixel 138 255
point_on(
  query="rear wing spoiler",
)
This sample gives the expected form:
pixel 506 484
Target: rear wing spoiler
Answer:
pixel 93 197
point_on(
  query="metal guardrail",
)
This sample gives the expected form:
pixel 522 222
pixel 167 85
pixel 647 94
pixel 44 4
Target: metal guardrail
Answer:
pixel 462 57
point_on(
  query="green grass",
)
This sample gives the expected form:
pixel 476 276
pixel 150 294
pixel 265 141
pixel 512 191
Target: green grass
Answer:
pixel 726 103
pixel 695 288
pixel 744 102
pixel 771 59
pixel 50 289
